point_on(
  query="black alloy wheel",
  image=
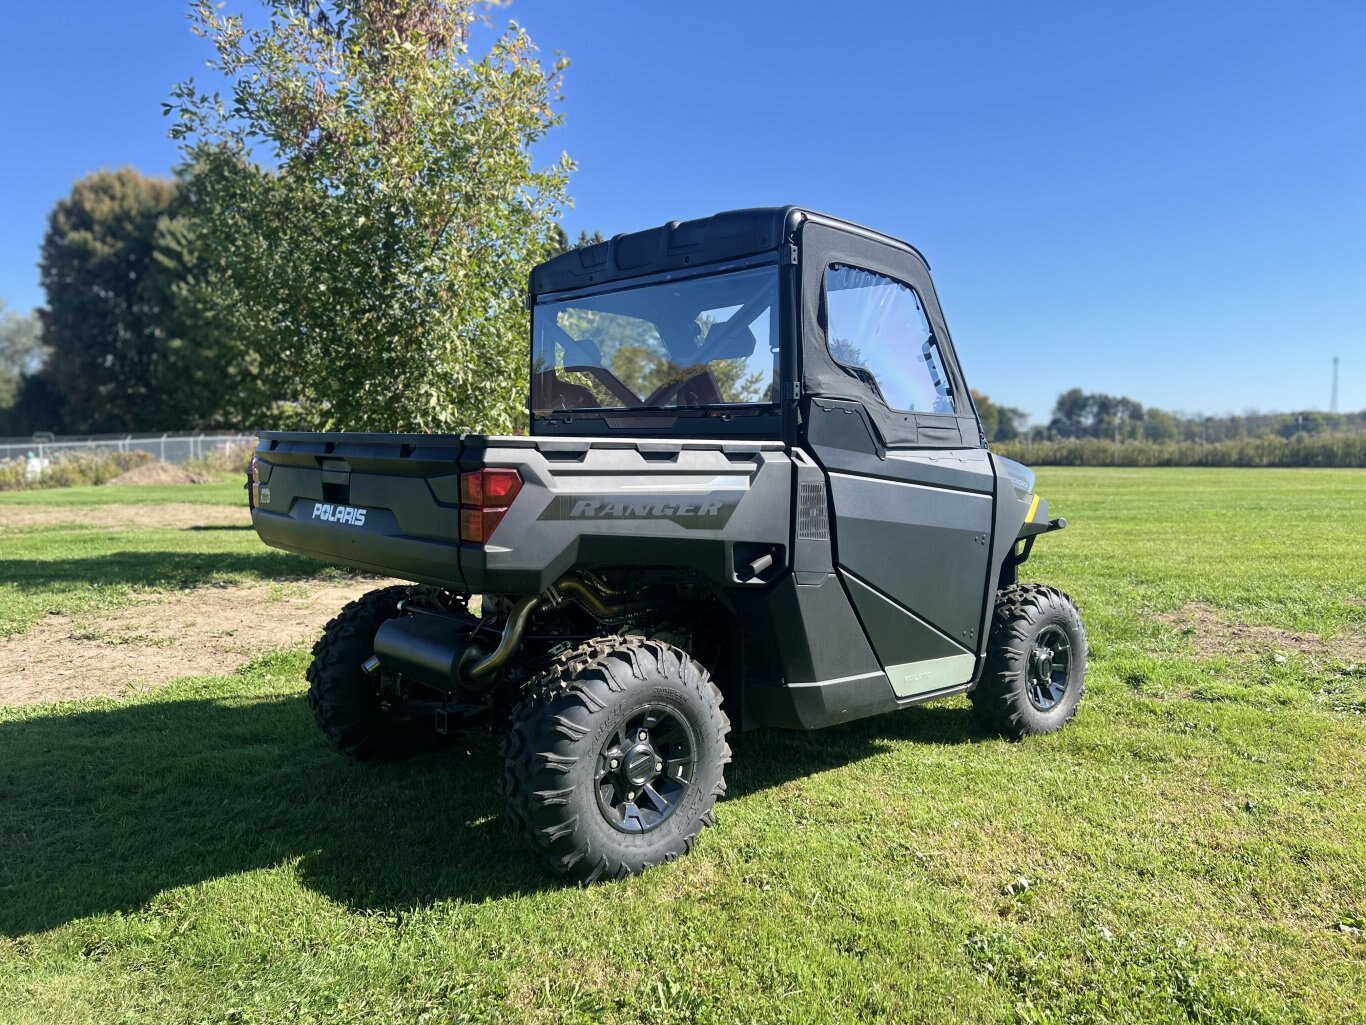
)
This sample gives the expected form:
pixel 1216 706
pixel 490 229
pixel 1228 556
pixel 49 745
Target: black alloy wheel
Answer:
pixel 615 758
pixel 1050 667
pixel 1035 669
pixel 645 769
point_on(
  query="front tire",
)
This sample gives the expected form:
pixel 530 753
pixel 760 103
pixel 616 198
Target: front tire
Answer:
pixel 1035 670
pixel 348 703
pixel 615 758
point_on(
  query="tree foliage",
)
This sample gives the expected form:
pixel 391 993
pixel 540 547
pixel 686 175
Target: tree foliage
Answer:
pixel 1079 414
pixel 378 259
pixel 999 423
pixel 22 352
pixel 114 260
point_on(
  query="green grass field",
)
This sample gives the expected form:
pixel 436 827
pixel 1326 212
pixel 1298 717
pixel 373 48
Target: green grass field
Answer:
pixel 77 566
pixel 1194 843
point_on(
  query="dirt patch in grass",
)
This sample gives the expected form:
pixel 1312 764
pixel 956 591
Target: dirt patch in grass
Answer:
pixel 211 630
pixel 119 516
pixel 1211 634
pixel 161 473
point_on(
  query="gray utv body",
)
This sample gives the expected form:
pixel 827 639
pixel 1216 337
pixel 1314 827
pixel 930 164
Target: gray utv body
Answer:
pixel 833 556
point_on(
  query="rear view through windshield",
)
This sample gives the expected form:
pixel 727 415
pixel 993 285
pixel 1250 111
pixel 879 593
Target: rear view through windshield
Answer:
pixel 700 342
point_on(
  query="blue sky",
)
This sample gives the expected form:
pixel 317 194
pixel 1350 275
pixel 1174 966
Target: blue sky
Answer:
pixel 1161 199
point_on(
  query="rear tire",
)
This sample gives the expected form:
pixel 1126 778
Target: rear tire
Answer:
pixel 346 700
pixel 615 758
pixel 1035 669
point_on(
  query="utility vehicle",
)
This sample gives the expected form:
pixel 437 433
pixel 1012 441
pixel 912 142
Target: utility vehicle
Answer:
pixel 755 493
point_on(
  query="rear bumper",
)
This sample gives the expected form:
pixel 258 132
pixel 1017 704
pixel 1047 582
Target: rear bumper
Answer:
pixel 365 548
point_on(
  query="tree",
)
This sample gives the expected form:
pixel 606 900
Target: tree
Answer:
pixel 21 342
pixel 1069 414
pixel 105 321
pixel 999 423
pixel 560 244
pixel 22 352
pixel 1080 414
pixel 379 260
pixel 128 349
pixel 35 407
pixel 1159 425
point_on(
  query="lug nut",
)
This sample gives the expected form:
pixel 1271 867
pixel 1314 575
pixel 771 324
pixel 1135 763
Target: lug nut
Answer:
pixel 659 766
pixel 643 735
pixel 614 763
pixel 631 795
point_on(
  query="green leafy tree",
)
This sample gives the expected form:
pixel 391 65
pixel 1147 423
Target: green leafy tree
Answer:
pixel 1159 425
pixel 22 352
pixel 561 244
pixel 999 423
pixel 109 312
pixel 106 305
pixel 129 350
pixel 1071 414
pixel 379 258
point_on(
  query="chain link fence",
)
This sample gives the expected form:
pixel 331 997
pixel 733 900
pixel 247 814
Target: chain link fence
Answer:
pixel 163 448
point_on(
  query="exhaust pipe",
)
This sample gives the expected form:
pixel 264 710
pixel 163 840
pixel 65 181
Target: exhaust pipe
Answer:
pixel 594 603
pixel 435 651
pixel 480 672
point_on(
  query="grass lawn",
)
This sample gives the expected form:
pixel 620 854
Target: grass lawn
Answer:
pixel 1191 848
pixel 81 563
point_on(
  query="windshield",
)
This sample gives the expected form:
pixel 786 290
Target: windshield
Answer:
pixel 710 341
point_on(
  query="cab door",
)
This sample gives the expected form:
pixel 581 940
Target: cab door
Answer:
pixel 911 487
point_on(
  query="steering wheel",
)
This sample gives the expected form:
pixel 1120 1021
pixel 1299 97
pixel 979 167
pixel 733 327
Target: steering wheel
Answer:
pixel 611 382
pixel 668 390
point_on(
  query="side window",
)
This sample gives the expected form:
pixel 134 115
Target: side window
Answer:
pixel 878 332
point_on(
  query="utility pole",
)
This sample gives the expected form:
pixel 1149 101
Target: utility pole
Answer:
pixel 1333 402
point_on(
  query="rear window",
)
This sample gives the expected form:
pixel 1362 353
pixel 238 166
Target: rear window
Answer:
pixel 709 341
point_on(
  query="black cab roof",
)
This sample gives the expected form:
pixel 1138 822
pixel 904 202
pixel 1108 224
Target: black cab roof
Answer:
pixel 677 245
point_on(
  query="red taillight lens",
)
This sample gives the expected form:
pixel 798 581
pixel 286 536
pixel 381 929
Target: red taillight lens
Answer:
pixel 484 499
pixel 255 470
pixel 477 525
pixel 489 487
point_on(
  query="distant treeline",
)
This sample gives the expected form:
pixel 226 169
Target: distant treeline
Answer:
pixel 1079 414
pixel 1094 429
pixel 1328 449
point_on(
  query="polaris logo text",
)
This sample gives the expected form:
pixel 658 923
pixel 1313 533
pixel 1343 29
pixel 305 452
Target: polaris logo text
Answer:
pixel 709 511
pixel 339 514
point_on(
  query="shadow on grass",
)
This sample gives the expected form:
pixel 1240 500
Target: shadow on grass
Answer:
pixel 769 758
pixel 157 568
pixel 102 810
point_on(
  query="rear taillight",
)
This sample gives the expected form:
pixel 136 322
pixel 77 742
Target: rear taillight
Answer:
pixel 254 481
pixel 485 496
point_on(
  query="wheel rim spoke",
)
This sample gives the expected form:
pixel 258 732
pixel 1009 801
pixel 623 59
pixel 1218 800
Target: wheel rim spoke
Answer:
pixel 1049 668
pixel 654 750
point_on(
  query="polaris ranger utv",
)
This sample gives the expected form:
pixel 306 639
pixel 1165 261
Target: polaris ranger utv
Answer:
pixel 755 493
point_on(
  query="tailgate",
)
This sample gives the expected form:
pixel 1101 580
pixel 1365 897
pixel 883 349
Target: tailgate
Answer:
pixel 387 503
